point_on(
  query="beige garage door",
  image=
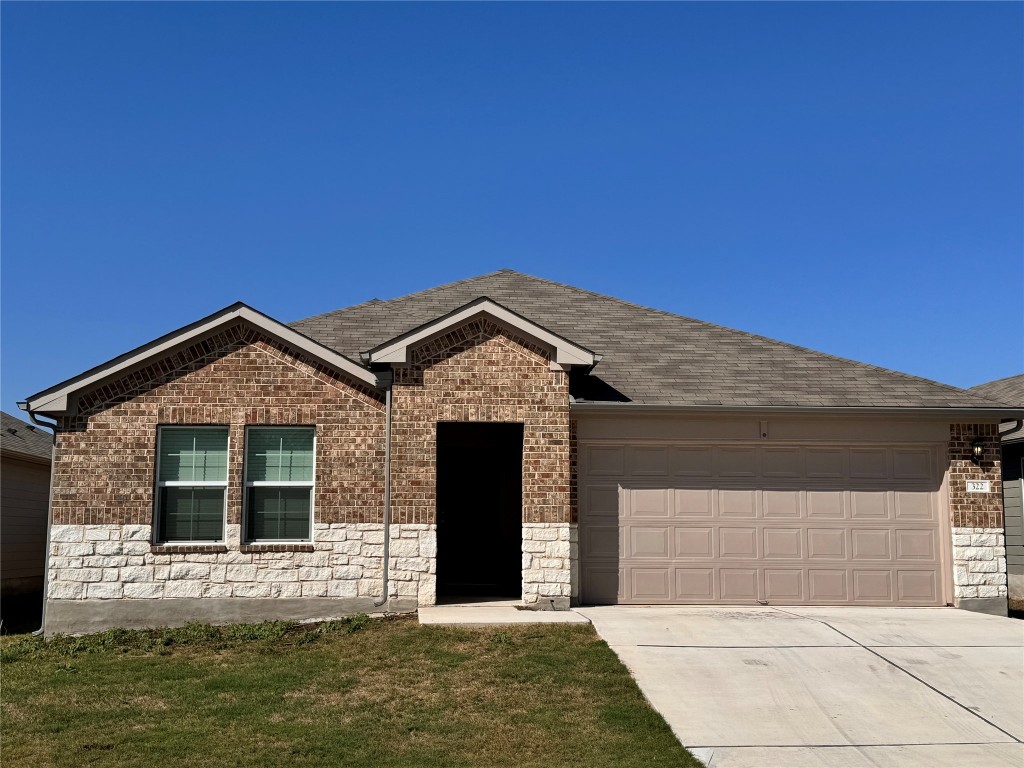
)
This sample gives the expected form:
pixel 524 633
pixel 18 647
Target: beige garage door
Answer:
pixel 781 524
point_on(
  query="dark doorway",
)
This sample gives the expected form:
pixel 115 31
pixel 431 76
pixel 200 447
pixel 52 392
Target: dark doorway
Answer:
pixel 479 509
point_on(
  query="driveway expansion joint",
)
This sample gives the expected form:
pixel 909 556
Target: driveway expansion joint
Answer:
pixel 928 685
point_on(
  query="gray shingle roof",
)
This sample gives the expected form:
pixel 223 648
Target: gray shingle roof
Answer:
pixel 650 356
pixel 16 436
pixel 1008 391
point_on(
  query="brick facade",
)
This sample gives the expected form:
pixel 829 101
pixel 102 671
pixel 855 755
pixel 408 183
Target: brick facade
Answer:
pixel 975 510
pixel 480 372
pixel 106 455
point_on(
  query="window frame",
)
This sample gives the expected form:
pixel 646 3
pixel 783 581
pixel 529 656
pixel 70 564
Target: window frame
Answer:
pixel 158 484
pixel 248 484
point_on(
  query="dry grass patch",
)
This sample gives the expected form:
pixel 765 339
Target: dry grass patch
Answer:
pixel 365 693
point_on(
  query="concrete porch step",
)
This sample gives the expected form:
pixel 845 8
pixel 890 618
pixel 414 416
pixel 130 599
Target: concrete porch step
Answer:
pixel 492 614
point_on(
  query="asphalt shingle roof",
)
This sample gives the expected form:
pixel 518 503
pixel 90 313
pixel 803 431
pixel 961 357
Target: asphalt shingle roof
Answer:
pixel 16 436
pixel 1008 391
pixel 650 356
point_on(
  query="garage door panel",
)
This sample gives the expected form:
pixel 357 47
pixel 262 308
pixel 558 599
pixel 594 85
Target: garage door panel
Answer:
pixel 917 586
pixel 737 543
pixel 827 585
pixel 648 502
pixel 783 543
pixel 695 584
pixel 873 586
pixel 692 462
pixel 695 542
pixel 649 461
pixel 914 505
pixel 915 544
pixel 870 544
pixel 599 502
pixel 829 505
pixel 737 503
pixel 650 542
pixel 784 585
pixel 868 463
pixel 600 542
pixel 826 543
pixel 825 462
pixel 738 584
pixel 786 524
pixel 691 502
pixel 782 504
pixel 650 585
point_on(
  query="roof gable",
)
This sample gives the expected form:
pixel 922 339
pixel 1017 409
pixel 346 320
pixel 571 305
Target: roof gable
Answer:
pixel 60 399
pixel 396 351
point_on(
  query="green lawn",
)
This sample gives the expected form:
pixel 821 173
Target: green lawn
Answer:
pixel 381 692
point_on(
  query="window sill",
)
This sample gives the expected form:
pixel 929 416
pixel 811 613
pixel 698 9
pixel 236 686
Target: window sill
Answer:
pixel 187 549
pixel 297 547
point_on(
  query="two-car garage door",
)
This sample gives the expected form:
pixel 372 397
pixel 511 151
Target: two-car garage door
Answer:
pixel 775 523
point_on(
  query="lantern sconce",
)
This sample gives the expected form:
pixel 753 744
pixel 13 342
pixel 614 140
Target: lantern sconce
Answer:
pixel 977 450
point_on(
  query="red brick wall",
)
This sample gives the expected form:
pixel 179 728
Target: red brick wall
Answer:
pixel 106 455
pixel 974 510
pixel 480 372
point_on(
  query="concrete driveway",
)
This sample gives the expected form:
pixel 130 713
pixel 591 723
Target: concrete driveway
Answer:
pixel 850 687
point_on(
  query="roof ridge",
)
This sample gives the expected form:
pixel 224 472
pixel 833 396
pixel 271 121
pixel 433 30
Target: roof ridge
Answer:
pixel 882 369
pixel 997 381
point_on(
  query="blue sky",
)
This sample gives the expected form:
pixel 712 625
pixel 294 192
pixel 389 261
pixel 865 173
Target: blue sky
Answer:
pixel 848 177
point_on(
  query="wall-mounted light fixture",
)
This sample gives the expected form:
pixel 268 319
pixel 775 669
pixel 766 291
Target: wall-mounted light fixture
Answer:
pixel 977 450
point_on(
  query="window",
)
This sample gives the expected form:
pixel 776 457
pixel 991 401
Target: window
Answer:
pixel 279 483
pixel 192 483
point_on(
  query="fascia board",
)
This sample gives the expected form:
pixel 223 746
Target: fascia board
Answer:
pixel 56 400
pixel 566 353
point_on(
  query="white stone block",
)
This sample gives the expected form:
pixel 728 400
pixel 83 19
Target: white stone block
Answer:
pixel 415 564
pixel 428 544
pixel 108 547
pixel 314 589
pixel 544 534
pixel 189 571
pixel 350 547
pixel 131 575
pixel 66 533
pixel 135 547
pixel 104 591
pixel 988 591
pixel 346 572
pixel 89 574
pixel 983 566
pixel 65 590
pixel 286 589
pixel 348 588
pixel 314 574
pixel 983 540
pixel 76 550
pixel 135 532
pixel 144 590
pixel 251 590
pixel 277 576
pixel 216 590
pixel 96 533
pixel 405 548
pixel 183 589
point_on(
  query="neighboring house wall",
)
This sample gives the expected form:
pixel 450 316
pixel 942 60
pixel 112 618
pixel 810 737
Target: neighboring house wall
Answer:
pixel 104 566
pixel 481 372
pixel 24 496
pixel 1013 490
pixel 979 546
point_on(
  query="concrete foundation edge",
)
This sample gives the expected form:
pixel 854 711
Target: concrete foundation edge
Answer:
pixel 994 606
pixel 79 617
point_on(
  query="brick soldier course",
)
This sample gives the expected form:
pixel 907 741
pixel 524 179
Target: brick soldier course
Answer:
pixel 106 566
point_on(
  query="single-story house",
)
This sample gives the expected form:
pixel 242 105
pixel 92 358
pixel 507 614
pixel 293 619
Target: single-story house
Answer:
pixel 1010 391
pixel 509 436
pixel 24 500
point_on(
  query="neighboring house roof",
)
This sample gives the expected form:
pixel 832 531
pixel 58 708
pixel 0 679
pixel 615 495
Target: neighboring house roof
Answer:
pixel 20 439
pixel 649 356
pixel 1008 391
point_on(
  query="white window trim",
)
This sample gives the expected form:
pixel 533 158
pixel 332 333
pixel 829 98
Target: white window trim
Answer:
pixel 158 512
pixel 247 484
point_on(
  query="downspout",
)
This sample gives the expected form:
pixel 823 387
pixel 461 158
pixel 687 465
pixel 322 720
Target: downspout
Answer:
pixel 1012 430
pixel 387 382
pixel 49 511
